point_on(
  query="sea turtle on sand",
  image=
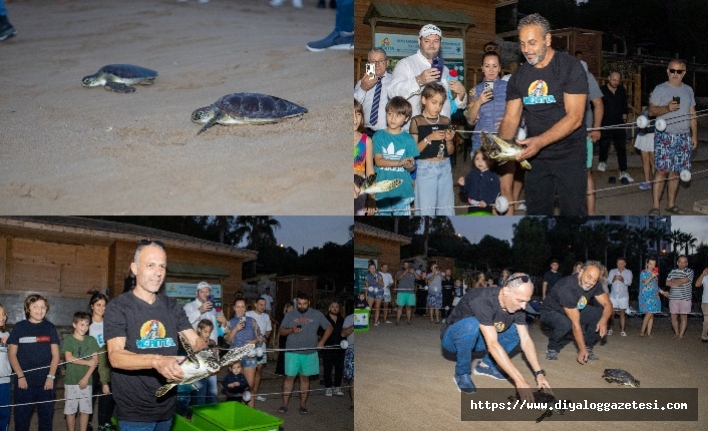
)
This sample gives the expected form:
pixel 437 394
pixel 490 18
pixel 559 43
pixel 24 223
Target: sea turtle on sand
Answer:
pixel 621 377
pixel 120 77
pixel 202 364
pixel 540 396
pixel 246 108
pixel 501 150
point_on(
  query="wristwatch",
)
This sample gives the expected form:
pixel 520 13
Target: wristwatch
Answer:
pixel 539 373
pixel 51 376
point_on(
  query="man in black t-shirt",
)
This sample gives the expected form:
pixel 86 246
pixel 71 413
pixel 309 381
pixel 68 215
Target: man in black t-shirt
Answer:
pixel 493 319
pixel 566 308
pixel 550 90
pixel 448 293
pixel 550 278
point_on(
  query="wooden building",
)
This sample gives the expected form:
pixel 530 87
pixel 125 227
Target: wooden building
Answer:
pixel 66 258
pixel 379 245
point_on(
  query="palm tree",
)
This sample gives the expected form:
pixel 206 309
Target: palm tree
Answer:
pixel 676 242
pixel 657 235
pixel 601 233
pixel 689 242
pixel 258 231
pixel 638 238
pixel 621 233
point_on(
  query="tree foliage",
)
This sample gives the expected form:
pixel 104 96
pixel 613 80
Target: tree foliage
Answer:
pixel 530 249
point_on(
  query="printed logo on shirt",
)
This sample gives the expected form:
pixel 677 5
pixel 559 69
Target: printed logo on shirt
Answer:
pixel 499 326
pixel 390 153
pixel 582 302
pixel 32 340
pixel 538 94
pixel 153 336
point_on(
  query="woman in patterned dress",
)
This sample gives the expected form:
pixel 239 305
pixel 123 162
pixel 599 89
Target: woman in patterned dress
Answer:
pixel 649 295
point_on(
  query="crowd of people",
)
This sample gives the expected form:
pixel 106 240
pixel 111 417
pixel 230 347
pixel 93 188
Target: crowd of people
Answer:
pixel 121 352
pixel 551 106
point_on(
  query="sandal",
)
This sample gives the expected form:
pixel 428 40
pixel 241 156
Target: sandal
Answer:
pixel 303 411
pixel 283 410
pixel 654 211
pixel 676 210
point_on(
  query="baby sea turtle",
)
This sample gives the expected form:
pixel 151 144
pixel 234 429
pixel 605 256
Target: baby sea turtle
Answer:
pixel 202 364
pixel 501 150
pixel 621 377
pixel 246 108
pixel 540 396
pixel 120 77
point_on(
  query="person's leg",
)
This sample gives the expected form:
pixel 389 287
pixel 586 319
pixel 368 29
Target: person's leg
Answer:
pixel 647 163
pixel 212 392
pixel 672 189
pixel 338 367
pixel 645 324
pixel 591 194
pixel 257 379
pixel 426 186
pixel 657 188
pixel 560 326
pixel 650 324
pixel 589 316
pixel 5 400
pixel 445 190
pixel 684 323
pixel 377 308
pixel 327 365
pixel 250 374
pixel 540 190
pixel 287 389
pixel 304 389
pixel 45 408
pixel 674 323
pixel 200 394
pixel 292 369
pixel 619 140
pixel 344 17
pixel 461 339
pixel 662 165
pixel 399 310
pixel 70 421
pixel 409 312
pixel 506 184
pixel 571 182
pixel 83 421
pixel 508 339
pixel 23 400
pixel 385 310
pixel 622 319
pixel 604 145
pixel 704 308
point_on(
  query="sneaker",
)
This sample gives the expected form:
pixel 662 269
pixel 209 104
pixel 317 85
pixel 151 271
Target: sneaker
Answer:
pixel 624 334
pixel 377 323
pixel 388 321
pixel 591 356
pixel 601 166
pixel 483 369
pixel 338 392
pixel 522 207
pixel 551 355
pixel 260 398
pixel 624 174
pixel 335 40
pixel 297 4
pixel 328 392
pixel 644 186
pixel 7 32
pixel 464 383
pixel 609 332
pixel 276 3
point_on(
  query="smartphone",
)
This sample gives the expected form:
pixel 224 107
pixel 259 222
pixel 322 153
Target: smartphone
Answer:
pixel 371 69
pixel 677 99
pixel 439 63
pixel 210 298
pixel 489 85
pixel 242 319
pixel 299 326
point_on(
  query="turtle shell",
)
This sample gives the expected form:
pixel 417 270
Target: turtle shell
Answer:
pixel 258 106
pixel 621 377
pixel 128 71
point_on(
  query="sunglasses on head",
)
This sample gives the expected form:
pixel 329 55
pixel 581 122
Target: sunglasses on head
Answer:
pixel 678 71
pixel 144 242
pixel 523 277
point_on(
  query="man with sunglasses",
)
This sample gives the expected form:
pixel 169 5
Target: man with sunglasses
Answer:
pixel 566 308
pixel 492 319
pixel 673 102
pixel 142 329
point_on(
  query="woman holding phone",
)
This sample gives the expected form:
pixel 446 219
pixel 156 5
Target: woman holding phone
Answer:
pixel 244 331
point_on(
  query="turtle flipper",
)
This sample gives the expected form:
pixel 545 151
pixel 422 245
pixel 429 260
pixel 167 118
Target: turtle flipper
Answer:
pixel 382 186
pixel 236 354
pixel 188 348
pixel 164 389
pixel 119 87
pixel 215 119
pixel 526 165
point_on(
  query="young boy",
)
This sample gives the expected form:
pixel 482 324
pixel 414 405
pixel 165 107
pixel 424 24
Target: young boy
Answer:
pixel 394 152
pixel 361 300
pixel 206 387
pixel 77 382
pixel 235 383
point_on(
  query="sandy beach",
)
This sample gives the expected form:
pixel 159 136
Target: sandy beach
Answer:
pixel 404 382
pixel 66 149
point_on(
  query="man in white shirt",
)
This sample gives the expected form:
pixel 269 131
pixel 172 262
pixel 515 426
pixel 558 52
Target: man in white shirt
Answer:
pixel 387 285
pixel 202 308
pixel 414 72
pixel 264 325
pixel 367 93
pixel 269 301
pixel 703 280
pixel 620 278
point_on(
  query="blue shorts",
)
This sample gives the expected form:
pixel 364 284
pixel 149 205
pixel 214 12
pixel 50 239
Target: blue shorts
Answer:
pixel 249 362
pixel 349 364
pixel 375 293
pixel 672 152
pixel 405 298
pixel 307 364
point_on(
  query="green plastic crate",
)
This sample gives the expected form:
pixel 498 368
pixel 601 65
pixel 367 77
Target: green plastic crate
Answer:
pixel 181 424
pixel 232 416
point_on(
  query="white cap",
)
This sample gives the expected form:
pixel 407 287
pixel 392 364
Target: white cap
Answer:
pixel 429 29
pixel 202 285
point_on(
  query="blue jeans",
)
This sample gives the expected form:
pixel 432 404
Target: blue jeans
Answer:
pixel 3 11
pixel 433 188
pixel 561 325
pixel 464 337
pixel 206 391
pixel 394 206
pixel 145 426
pixel 344 18
pixel 45 407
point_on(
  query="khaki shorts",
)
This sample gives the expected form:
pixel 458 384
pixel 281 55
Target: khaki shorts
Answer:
pixel 77 400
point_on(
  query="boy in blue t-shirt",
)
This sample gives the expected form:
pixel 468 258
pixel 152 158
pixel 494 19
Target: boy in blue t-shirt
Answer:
pixel 394 152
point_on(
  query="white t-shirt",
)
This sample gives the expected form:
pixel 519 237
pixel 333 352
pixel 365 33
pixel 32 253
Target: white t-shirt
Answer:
pixel 348 322
pixel 96 331
pixel 263 321
pixel 5 369
pixel 705 289
pixel 387 282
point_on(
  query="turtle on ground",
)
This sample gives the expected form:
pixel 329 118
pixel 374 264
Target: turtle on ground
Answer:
pixel 120 77
pixel 540 396
pixel 246 108
pixel 621 377
pixel 501 150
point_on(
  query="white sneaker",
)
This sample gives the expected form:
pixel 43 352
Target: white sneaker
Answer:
pixel 297 4
pixel 328 392
pixel 609 332
pixel 624 174
pixel 260 398
pixel 624 334
pixel 601 166
pixel 338 392
pixel 522 207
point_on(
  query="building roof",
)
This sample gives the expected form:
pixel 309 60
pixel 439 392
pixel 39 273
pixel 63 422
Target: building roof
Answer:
pixel 76 229
pixel 416 15
pixel 365 229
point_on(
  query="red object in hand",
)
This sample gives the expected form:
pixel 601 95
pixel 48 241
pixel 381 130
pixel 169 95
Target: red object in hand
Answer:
pixel 453 73
pixel 656 271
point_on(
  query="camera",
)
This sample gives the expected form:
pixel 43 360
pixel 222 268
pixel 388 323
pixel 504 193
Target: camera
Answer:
pixel 371 69
pixel 489 85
